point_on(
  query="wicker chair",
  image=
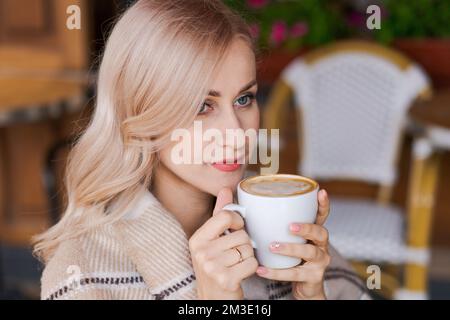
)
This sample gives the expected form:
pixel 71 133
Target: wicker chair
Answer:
pixel 352 99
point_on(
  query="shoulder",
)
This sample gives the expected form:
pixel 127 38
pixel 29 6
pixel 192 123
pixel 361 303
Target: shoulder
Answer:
pixel 90 266
pixel 96 258
pixel 341 280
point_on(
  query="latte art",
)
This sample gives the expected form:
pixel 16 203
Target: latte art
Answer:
pixel 278 185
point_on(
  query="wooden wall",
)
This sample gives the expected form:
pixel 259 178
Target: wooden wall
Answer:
pixel 34 44
pixel 33 35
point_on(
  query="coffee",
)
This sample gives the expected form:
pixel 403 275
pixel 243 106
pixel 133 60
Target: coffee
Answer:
pixel 269 204
pixel 278 185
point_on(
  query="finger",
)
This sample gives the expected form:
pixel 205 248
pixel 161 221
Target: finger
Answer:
pixel 231 257
pixel 224 197
pixel 324 207
pixel 313 232
pixel 216 225
pixel 231 240
pixel 307 252
pixel 244 269
pixel 297 274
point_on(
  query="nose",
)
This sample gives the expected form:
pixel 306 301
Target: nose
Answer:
pixel 232 131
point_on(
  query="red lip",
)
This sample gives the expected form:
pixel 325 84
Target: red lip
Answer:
pixel 227 167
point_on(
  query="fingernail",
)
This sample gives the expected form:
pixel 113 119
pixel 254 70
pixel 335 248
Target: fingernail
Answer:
pixel 324 194
pixel 295 227
pixel 261 270
pixel 275 246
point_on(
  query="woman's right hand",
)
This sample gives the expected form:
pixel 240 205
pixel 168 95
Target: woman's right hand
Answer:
pixel 215 260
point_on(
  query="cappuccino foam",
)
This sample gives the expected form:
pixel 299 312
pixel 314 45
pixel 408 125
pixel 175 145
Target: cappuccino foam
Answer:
pixel 277 186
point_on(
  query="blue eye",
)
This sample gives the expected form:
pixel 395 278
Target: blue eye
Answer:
pixel 242 102
pixel 246 100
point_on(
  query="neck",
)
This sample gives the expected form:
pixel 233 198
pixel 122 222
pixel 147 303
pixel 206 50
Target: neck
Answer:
pixel 189 205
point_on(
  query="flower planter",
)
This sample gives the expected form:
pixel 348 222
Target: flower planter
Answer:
pixel 272 64
pixel 432 54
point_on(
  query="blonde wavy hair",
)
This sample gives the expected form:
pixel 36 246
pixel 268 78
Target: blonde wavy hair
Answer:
pixel 154 75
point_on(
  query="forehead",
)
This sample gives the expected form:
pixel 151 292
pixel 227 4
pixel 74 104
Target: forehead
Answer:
pixel 237 68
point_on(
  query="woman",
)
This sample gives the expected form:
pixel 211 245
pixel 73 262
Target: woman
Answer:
pixel 140 226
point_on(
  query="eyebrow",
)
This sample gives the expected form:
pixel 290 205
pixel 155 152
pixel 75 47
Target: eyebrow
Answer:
pixel 215 93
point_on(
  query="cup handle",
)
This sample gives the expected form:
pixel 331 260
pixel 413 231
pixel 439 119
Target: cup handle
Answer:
pixel 241 210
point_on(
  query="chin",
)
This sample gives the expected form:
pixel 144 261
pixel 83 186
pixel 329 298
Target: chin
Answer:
pixel 220 180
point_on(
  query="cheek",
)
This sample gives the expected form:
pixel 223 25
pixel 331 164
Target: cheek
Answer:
pixel 186 168
pixel 173 161
pixel 179 149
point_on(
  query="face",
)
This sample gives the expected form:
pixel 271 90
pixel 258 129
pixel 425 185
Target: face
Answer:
pixel 230 106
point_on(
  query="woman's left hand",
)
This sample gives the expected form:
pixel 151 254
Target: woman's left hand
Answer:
pixel 307 278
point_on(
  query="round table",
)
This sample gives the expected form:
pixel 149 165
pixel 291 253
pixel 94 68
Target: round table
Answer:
pixel 432 117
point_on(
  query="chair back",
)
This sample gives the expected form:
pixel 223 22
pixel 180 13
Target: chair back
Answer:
pixel 353 98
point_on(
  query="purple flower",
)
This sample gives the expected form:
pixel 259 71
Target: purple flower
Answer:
pixel 299 29
pixel 356 19
pixel 384 12
pixel 279 32
pixel 257 4
pixel 255 30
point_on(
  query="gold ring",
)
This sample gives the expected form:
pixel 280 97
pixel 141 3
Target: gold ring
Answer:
pixel 240 255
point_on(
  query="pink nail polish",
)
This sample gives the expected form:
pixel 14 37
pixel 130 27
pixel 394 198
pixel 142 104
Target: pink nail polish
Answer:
pixel 295 227
pixel 261 270
pixel 275 246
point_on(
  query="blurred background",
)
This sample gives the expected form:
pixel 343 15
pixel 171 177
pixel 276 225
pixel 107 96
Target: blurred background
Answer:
pixel 377 137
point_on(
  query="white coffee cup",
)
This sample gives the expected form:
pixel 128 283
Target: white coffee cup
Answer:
pixel 267 216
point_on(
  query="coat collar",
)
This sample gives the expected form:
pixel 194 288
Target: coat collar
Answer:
pixel 158 246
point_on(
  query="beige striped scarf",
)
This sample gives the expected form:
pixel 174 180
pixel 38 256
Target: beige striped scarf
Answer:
pixel 146 256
